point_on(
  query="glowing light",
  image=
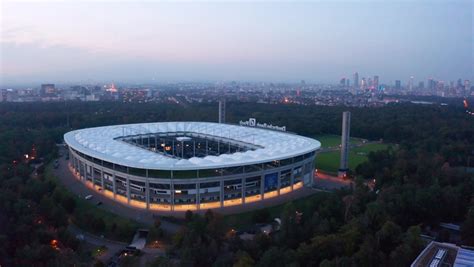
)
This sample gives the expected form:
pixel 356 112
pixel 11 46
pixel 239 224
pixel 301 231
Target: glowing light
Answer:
pixel 270 194
pixel 466 106
pixel 185 207
pixel 253 199
pixel 54 244
pixel 232 202
pixel 285 190
pixel 210 205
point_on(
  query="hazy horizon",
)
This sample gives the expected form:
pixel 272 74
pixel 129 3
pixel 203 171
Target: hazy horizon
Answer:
pixel 156 42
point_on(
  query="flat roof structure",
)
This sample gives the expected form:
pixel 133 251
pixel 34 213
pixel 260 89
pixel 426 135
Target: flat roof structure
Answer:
pixel 253 145
pixel 437 254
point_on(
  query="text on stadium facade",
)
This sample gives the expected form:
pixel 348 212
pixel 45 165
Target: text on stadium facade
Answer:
pixel 252 122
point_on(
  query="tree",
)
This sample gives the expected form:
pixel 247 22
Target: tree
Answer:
pixel 243 259
pixel 411 246
pixel 289 227
pixel 69 204
pixel 188 216
pixel 467 228
pixel 389 236
pixel 374 216
pixel 261 216
pixel 273 257
pixel 157 223
pixel 98 224
pixel 368 254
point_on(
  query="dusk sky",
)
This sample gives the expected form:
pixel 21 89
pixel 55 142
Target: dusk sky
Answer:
pixel 319 41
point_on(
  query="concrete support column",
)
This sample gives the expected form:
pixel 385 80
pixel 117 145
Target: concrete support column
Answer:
pixel 279 182
pixel 172 195
pixel 102 183
pixel 198 195
pixel 128 190
pixel 114 184
pixel 244 185
pixel 262 186
pixel 221 196
pixel 147 191
pixel 172 147
pixel 292 179
pixel 84 170
pixel 86 175
pixel 172 192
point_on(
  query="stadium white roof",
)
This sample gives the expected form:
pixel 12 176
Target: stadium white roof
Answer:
pixel 100 143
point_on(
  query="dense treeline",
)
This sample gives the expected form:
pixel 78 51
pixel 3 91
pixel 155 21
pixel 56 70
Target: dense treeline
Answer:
pixel 419 183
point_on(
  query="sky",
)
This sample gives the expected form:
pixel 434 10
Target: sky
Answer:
pixel 159 41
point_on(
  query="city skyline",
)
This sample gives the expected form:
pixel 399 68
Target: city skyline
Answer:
pixel 282 42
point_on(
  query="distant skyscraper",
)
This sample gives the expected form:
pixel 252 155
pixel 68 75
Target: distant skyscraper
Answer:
pixel 431 84
pixel 363 84
pixel 421 85
pixel 348 82
pixel 467 86
pixel 410 83
pixel 356 79
pixel 398 84
pixel 376 82
pixel 342 82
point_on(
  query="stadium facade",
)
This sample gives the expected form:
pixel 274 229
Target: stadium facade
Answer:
pixel 190 165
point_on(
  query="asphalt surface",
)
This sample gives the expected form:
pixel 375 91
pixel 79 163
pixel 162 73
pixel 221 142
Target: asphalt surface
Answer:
pixel 113 247
pixel 329 182
pixel 78 188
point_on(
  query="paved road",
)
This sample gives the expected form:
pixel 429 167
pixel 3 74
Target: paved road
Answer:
pixel 113 247
pixel 330 182
pixel 78 188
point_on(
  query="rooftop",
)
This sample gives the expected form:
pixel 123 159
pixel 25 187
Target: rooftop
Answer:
pixel 444 254
pixel 249 145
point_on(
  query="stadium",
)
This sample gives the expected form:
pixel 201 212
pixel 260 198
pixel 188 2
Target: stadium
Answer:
pixel 179 166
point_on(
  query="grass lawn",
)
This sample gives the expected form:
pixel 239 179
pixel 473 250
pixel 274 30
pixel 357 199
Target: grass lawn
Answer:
pixel 329 161
pixel 328 141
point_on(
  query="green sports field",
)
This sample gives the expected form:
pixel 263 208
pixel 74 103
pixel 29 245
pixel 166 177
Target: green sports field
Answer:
pixel 333 141
pixel 329 161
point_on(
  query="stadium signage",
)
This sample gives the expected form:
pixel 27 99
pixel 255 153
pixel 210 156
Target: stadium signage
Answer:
pixel 252 122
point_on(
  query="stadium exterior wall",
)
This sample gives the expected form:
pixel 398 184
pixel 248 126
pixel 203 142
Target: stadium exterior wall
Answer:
pixel 193 190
